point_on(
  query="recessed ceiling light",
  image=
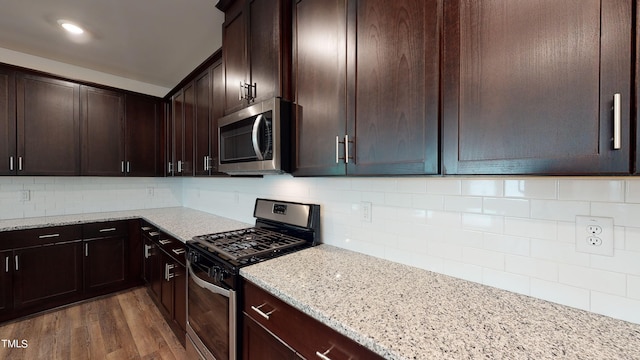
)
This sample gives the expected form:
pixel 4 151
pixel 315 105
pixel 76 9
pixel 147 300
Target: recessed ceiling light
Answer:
pixel 71 27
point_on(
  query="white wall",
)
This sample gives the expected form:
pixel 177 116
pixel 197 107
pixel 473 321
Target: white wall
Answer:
pixel 511 233
pixel 516 234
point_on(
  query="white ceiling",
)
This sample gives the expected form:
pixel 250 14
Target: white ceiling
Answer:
pixel 156 42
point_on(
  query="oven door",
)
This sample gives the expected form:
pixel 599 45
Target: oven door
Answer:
pixel 211 315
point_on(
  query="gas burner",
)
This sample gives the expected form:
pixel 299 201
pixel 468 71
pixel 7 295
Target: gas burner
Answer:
pixel 247 243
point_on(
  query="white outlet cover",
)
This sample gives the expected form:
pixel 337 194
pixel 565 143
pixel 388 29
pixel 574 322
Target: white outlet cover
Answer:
pixel 582 235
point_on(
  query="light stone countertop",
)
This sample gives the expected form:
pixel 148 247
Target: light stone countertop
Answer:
pixel 402 312
pixel 179 222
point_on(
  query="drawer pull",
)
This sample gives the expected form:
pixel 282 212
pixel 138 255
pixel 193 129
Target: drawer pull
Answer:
pixel 107 229
pixel 48 236
pixel 178 251
pixel 154 233
pixel 262 313
pixel 164 241
pixel 145 228
pixel 323 355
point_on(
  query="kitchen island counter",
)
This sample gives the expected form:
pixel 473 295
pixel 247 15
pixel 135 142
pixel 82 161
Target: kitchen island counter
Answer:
pixel 179 222
pixel 402 312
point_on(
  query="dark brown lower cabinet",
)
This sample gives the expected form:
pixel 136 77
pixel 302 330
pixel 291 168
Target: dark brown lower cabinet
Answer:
pixel 6 298
pixel 105 263
pixel 260 344
pixel 165 276
pixel 270 323
pixel 46 276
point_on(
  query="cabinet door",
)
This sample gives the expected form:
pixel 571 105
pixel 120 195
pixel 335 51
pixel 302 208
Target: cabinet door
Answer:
pixel 142 136
pixel 188 130
pixel 270 48
pixel 167 288
pixel 529 87
pixel 6 286
pixel 48 136
pixel 396 93
pixel 180 295
pixel 234 54
pixel 320 44
pixel 217 111
pixel 105 263
pixel 8 156
pixel 177 132
pixel 202 121
pixel 102 129
pixel 46 274
pixel 260 344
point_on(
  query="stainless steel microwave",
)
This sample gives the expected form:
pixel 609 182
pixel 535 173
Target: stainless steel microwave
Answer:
pixel 256 140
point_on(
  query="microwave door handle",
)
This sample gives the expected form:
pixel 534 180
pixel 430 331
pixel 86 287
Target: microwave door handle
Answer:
pixel 254 137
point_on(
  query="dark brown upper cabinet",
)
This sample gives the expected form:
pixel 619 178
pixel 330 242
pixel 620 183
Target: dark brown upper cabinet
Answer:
pixel 142 136
pixel 256 51
pixel 366 82
pixel 182 131
pixel 102 132
pixel 48 126
pixel 529 87
pixel 8 155
pixel 209 97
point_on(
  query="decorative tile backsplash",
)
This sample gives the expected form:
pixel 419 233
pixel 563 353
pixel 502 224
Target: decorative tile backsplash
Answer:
pixel 513 233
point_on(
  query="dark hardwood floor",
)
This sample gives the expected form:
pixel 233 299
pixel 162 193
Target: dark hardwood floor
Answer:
pixel 126 325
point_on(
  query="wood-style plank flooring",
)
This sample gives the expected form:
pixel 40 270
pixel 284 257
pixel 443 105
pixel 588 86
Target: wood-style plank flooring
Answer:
pixel 126 325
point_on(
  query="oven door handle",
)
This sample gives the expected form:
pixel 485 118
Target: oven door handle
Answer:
pixel 254 137
pixel 207 285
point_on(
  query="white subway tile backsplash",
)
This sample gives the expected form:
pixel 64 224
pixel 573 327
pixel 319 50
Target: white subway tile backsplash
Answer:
pixel 533 228
pixel 531 188
pixel 463 204
pixel 508 281
pixel 482 187
pixel 535 268
pixel 616 306
pixel 560 293
pixel 484 258
pixel 591 190
pixel 633 287
pixel 507 207
pixel 558 210
pixel 513 233
pixel 507 244
pixel 592 279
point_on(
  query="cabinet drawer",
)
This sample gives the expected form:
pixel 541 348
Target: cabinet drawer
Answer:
pixel 41 236
pixel 174 247
pixel 105 229
pixel 309 337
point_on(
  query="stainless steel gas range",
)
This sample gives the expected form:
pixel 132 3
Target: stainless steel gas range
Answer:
pixel 214 262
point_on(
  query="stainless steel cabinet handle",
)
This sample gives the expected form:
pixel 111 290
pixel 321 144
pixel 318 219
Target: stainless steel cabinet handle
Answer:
pixel 167 271
pixel 86 250
pixel 19 163
pixel 170 168
pixel 617 136
pixel 253 94
pixel 16 259
pixel 6 264
pixel 154 233
pixel 147 251
pixel 262 313
pixel 122 166
pixel 11 163
pixel 178 251
pixel 240 94
pixel 204 162
pixel 128 167
pixel 164 241
pixel 323 355
pixel 346 149
pixel 337 149
pixel 179 166
pixel 107 229
pixel 48 236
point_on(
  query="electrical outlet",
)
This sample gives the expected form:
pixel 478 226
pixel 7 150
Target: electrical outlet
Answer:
pixel 150 191
pixel 594 235
pixel 25 195
pixel 366 211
